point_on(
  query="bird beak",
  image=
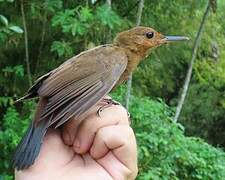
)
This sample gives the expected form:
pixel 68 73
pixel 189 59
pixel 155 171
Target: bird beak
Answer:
pixel 175 38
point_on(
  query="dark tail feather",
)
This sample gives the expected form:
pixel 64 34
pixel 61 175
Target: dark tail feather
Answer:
pixel 29 147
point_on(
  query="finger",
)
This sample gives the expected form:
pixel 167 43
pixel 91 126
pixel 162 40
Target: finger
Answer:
pixel 88 128
pixel 69 131
pixel 115 168
pixel 120 140
pixel 70 127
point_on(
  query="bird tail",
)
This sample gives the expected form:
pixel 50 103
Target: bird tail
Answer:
pixel 29 147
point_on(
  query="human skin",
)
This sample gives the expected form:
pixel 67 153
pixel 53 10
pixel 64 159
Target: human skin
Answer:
pixel 99 147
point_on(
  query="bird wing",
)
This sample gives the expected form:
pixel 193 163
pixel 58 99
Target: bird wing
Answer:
pixel 79 83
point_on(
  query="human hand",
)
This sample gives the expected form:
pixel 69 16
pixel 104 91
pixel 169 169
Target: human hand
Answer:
pixel 96 148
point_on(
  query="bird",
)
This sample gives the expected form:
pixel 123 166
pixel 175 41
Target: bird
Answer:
pixel 77 85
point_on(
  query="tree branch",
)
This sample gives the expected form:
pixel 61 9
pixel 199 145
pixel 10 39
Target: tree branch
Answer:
pixel 189 73
pixel 130 9
pixel 26 43
pixel 42 42
pixel 109 32
pixel 129 83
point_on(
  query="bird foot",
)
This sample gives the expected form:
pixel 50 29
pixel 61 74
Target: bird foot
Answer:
pixel 109 102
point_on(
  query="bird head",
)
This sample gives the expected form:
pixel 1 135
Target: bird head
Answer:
pixel 141 39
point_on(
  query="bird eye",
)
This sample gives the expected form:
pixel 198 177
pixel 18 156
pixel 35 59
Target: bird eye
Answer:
pixel 150 35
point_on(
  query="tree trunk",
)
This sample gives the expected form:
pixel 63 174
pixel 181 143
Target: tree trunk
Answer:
pixel 129 83
pixel 189 73
pixel 26 43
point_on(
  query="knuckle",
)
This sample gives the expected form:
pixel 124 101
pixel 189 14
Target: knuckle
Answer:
pixel 91 124
pixel 122 112
pixel 102 132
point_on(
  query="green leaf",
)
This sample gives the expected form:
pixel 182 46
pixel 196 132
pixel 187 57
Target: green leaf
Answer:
pixel 16 29
pixel 86 14
pixel 4 20
pixel 63 18
pixel 108 17
pixel 61 48
pixel 3 37
pixel 53 5
pixel 19 70
pixel 57 47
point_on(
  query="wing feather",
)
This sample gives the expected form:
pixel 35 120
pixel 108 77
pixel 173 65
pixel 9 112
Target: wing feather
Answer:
pixel 92 97
pixel 81 83
pixel 67 113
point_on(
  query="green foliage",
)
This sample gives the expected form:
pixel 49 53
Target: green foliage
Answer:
pixel 4 20
pixel 7 29
pixel 108 17
pixel 7 1
pixel 5 101
pixel 84 22
pixel 209 106
pixel 79 20
pixel 164 151
pixel 11 76
pixel 18 70
pixel 16 29
pixel 60 29
pixel 13 126
pixel 62 48
pixel 68 22
pixel 53 5
pixel 204 110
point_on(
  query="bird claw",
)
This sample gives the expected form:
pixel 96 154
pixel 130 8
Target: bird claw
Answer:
pixel 99 110
pixel 111 102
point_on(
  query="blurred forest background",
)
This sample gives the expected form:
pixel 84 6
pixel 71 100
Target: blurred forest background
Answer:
pixel 37 36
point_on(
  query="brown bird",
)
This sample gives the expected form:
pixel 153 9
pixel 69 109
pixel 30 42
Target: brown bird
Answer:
pixel 73 88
